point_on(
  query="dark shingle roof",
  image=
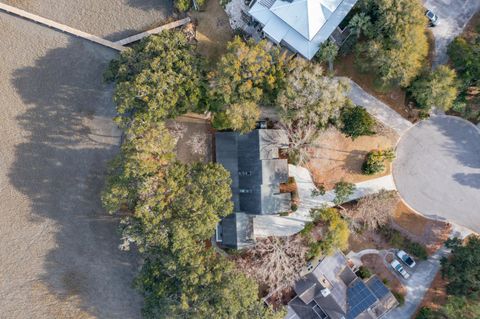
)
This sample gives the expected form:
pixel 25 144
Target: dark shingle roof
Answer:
pixel 255 169
pixel 347 295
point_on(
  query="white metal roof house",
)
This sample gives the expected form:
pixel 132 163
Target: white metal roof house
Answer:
pixel 300 25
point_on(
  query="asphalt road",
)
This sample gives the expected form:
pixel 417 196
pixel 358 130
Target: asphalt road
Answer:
pixel 437 170
pixel 453 16
pixel 59 255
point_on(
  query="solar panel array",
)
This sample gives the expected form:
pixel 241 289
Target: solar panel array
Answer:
pixel 359 298
pixel 377 287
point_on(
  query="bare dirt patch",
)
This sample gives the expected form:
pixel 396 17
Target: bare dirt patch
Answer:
pixel 194 136
pixel 335 157
pixel 213 30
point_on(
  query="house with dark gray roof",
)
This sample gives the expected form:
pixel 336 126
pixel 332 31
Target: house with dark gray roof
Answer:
pixel 257 171
pixel 333 291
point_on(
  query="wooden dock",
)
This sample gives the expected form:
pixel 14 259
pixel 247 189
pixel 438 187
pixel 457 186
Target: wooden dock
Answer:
pixel 142 35
pixel 60 27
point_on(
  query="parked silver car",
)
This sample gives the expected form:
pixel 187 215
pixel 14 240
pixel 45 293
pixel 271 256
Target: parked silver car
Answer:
pixel 432 17
pixel 396 265
pixel 407 260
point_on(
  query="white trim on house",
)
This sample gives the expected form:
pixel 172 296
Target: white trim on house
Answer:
pixel 302 24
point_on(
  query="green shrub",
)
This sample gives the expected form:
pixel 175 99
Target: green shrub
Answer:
pixel 284 214
pixel 425 313
pixel 375 161
pixel 416 249
pixel 356 121
pixel 307 229
pixel 314 249
pixel 294 207
pixel 400 297
pixel 363 272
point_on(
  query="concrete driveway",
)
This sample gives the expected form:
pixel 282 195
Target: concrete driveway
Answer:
pixel 437 170
pixel 417 285
pixel 453 15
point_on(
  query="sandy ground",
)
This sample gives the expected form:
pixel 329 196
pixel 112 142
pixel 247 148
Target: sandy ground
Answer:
pixel 59 256
pixel 194 137
pixel 213 30
pixel 112 19
pixel 335 157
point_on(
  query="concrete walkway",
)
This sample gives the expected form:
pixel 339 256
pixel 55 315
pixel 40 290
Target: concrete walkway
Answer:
pixel 266 225
pixel 305 186
pixel 60 27
pixel 378 109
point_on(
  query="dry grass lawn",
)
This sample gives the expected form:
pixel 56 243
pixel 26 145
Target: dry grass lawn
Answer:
pixel 335 157
pixel 213 30
pixel 428 232
pixel 431 233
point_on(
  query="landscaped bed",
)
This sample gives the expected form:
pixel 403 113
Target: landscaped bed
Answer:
pixel 335 157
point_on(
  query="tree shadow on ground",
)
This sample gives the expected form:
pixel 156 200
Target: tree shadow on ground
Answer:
pixel 471 180
pixel 61 168
pixel 463 137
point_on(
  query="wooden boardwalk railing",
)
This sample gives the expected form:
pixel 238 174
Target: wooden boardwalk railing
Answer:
pixel 60 27
pixel 140 36
pixel 118 45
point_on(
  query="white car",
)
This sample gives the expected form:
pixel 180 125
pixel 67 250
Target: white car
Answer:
pixel 407 260
pixel 396 265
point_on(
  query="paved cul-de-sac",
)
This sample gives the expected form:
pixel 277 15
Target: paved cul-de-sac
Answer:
pixel 437 170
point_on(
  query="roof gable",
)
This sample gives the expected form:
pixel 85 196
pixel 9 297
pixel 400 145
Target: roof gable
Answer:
pixel 305 16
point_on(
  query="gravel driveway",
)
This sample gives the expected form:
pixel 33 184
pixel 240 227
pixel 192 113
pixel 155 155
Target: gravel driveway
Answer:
pixel 59 256
pixel 453 16
pixel 437 170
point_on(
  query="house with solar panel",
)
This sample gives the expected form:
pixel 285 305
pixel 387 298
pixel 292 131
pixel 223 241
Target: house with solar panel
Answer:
pixel 256 169
pixel 300 25
pixel 333 291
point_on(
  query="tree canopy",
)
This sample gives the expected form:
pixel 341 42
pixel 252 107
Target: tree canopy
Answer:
pixel 204 285
pixel 336 234
pixel 397 50
pixel 462 269
pixel 159 78
pixel 463 54
pixel 308 102
pixel 248 71
pixel 438 88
